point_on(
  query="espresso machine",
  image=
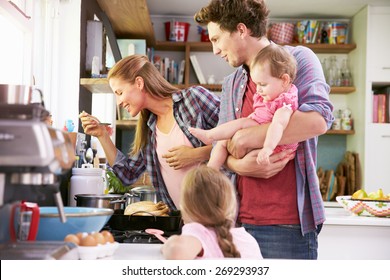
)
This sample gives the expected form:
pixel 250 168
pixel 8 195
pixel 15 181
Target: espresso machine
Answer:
pixel 33 155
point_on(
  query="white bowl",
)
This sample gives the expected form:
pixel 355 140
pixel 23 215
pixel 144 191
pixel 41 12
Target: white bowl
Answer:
pixel 369 208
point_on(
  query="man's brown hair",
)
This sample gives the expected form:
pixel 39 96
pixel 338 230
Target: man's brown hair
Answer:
pixel 229 13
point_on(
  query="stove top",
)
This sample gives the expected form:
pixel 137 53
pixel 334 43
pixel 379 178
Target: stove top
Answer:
pixel 136 236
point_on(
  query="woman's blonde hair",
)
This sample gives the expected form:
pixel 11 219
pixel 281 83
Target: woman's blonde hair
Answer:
pixel 127 70
pixel 208 198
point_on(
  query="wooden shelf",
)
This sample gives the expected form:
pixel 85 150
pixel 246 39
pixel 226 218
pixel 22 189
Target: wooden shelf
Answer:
pixel 329 48
pixel 96 85
pixel 207 47
pixel 342 90
pixel 129 19
pixel 102 86
pixel 340 132
pixel 126 124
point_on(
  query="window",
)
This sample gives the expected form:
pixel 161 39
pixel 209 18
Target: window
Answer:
pixel 16 45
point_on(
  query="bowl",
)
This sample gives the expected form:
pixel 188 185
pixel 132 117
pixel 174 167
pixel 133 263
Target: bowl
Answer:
pixel 79 219
pixel 371 208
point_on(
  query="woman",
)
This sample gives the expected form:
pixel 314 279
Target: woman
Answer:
pixel 162 146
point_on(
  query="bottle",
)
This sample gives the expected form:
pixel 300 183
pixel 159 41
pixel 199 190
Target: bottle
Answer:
pixel 95 72
pixel 346 74
pixel 85 181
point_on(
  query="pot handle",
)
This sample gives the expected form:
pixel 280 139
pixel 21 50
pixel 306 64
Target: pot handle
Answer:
pixel 118 201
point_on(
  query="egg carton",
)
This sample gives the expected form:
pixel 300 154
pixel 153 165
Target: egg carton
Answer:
pixel 97 252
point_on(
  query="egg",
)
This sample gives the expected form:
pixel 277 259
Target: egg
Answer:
pixel 108 236
pixel 72 238
pixel 81 235
pixel 100 239
pixel 89 241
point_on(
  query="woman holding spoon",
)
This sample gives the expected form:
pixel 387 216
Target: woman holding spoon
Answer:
pixel 162 146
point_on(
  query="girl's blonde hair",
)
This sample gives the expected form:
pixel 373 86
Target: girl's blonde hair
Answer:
pixel 280 61
pixel 208 198
pixel 127 70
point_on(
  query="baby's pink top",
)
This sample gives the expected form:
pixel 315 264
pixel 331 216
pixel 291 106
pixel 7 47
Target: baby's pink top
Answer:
pixel 172 177
pixel 245 243
pixel 264 111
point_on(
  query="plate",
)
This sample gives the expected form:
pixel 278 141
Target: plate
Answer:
pixel 365 207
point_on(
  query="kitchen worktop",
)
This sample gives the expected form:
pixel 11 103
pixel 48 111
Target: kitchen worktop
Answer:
pixel 339 216
pixel 348 237
pixel 132 251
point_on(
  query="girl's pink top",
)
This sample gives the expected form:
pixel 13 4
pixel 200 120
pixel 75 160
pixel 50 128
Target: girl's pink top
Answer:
pixel 245 243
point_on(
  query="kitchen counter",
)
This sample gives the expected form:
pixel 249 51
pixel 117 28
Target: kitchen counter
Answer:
pixel 349 237
pixel 343 236
pixel 128 251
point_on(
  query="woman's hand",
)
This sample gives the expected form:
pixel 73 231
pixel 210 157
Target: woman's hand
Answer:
pixel 179 157
pixel 247 166
pixel 91 125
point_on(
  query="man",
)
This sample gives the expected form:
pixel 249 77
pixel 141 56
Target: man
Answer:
pixel 280 204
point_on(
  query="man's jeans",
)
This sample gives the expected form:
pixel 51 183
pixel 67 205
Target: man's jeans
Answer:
pixel 285 241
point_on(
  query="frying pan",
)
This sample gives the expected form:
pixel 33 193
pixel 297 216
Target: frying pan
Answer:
pixel 118 221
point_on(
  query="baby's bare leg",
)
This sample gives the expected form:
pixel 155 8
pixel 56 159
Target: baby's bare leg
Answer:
pixel 218 155
pixel 223 131
pixel 201 134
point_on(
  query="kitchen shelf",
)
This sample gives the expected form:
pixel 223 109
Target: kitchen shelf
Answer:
pixel 342 90
pixel 100 85
pixel 96 85
pixel 340 132
pixel 207 47
pixel 126 124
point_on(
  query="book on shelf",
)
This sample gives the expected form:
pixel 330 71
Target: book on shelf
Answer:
pixel 198 70
pixel 180 79
pixel 381 105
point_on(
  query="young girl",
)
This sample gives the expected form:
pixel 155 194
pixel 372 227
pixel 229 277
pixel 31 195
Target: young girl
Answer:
pixel 273 71
pixel 209 207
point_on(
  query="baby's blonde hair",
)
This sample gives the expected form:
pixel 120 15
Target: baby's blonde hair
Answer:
pixel 280 61
pixel 208 198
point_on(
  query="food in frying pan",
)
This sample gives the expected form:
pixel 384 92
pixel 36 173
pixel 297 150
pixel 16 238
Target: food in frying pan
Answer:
pixel 147 208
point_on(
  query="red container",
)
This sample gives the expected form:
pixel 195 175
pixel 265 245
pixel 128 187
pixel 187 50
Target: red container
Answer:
pixel 204 35
pixel 177 31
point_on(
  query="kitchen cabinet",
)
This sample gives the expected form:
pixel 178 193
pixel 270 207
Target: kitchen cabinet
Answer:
pixel 378 44
pixel 377 135
pixel 347 237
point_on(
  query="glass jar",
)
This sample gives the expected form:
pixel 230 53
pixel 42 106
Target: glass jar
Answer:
pixel 85 181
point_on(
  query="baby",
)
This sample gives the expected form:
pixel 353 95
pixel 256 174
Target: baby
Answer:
pixel 273 71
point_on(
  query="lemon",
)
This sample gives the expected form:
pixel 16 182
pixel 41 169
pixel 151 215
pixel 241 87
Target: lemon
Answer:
pixel 359 194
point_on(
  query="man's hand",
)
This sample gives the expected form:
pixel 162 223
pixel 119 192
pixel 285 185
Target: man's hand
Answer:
pixel 247 166
pixel 243 140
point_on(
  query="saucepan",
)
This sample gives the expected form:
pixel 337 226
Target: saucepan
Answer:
pixel 99 201
pixel 19 94
pixel 137 194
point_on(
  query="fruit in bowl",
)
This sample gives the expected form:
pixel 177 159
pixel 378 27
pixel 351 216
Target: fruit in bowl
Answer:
pixel 376 195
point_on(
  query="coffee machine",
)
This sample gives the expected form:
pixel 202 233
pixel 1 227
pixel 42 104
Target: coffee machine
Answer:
pixel 33 156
